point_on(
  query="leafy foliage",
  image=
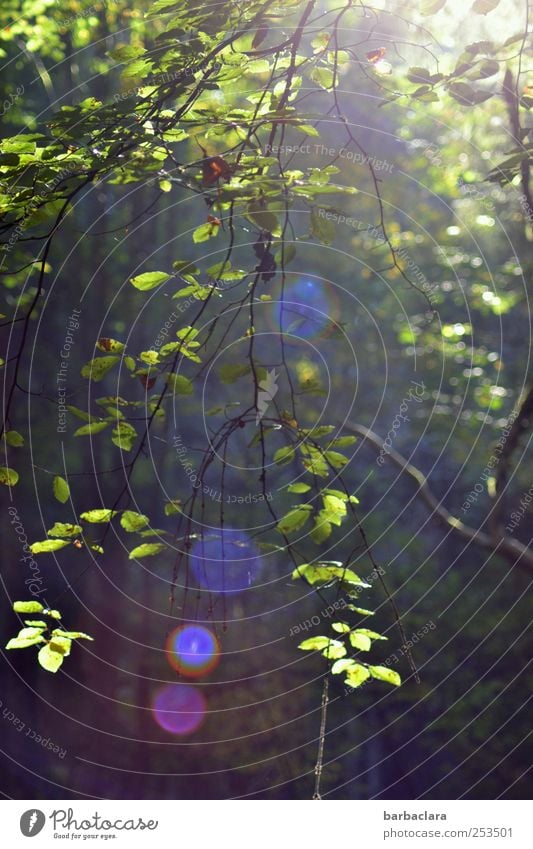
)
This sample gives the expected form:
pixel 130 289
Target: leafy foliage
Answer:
pixel 55 643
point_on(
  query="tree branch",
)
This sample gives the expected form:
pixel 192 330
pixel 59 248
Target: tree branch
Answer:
pixel 512 549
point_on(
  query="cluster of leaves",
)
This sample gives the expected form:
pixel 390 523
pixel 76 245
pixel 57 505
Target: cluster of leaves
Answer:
pixel 319 461
pixel 335 649
pixel 63 534
pixel 177 78
pixel 475 78
pixel 9 476
pixel 55 643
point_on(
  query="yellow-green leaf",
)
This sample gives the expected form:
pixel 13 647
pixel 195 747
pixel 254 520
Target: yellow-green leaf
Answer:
pixel 48 545
pixel 132 521
pixel 61 529
pixel 148 549
pixel 149 280
pixel 314 644
pixel 356 675
pixel 360 641
pixel 61 489
pixel 383 673
pixel 9 477
pixel 14 438
pixel 97 369
pixel 180 384
pixel 98 516
pixel 27 607
pixel 49 659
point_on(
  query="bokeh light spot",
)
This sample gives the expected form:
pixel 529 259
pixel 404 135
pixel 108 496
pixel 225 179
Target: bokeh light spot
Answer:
pixel 179 708
pixel 225 561
pixel 308 310
pixel 193 650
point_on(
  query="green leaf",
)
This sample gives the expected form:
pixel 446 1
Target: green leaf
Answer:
pixel 61 645
pixel 430 7
pixel 340 627
pixel 466 95
pixel 321 530
pixel 419 75
pixel 342 666
pixel 92 427
pixel 49 659
pixel 61 489
pixel 149 280
pixel 319 432
pixel 314 644
pixel 357 675
pixel 360 641
pixel 334 509
pixel 21 643
pixel 261 216
pixel 64 530
pixel 343 441
pixel 483 7
pixel 362 610
pixel 71 635
pixel 124 436
pixel 149 357
pixel 313 460
pixel 383 673
pixel 426 94
pixel 147 549
pixel 185 266
pixel 14 438
pixel 229 373
pixel 180 384
pixel 48 545
pixel 284 455
pixel 325 573
pixel 97 369
pixel 323 76
pixel 173 507
pixel 9 477
pixel 295 519
pixel 338 461
pixel 112 346
pixel 298 487
pixel 488 68
pixel 80 414
pixel 204 232
pixel 98 516
pixel 132 521
pixel 27 607
pixel 372 635
pixel 334 650
pixel 322 228
pixel 30 633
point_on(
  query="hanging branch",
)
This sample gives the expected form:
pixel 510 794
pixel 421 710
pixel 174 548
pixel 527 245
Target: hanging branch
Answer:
pixel 512 549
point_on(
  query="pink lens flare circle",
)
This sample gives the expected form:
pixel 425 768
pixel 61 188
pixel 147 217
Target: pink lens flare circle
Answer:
pixel 179 708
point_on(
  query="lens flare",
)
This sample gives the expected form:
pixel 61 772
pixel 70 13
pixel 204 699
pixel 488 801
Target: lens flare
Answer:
pixel 179 708
pixel 308 310
pixel 225 561
pixel 193 650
